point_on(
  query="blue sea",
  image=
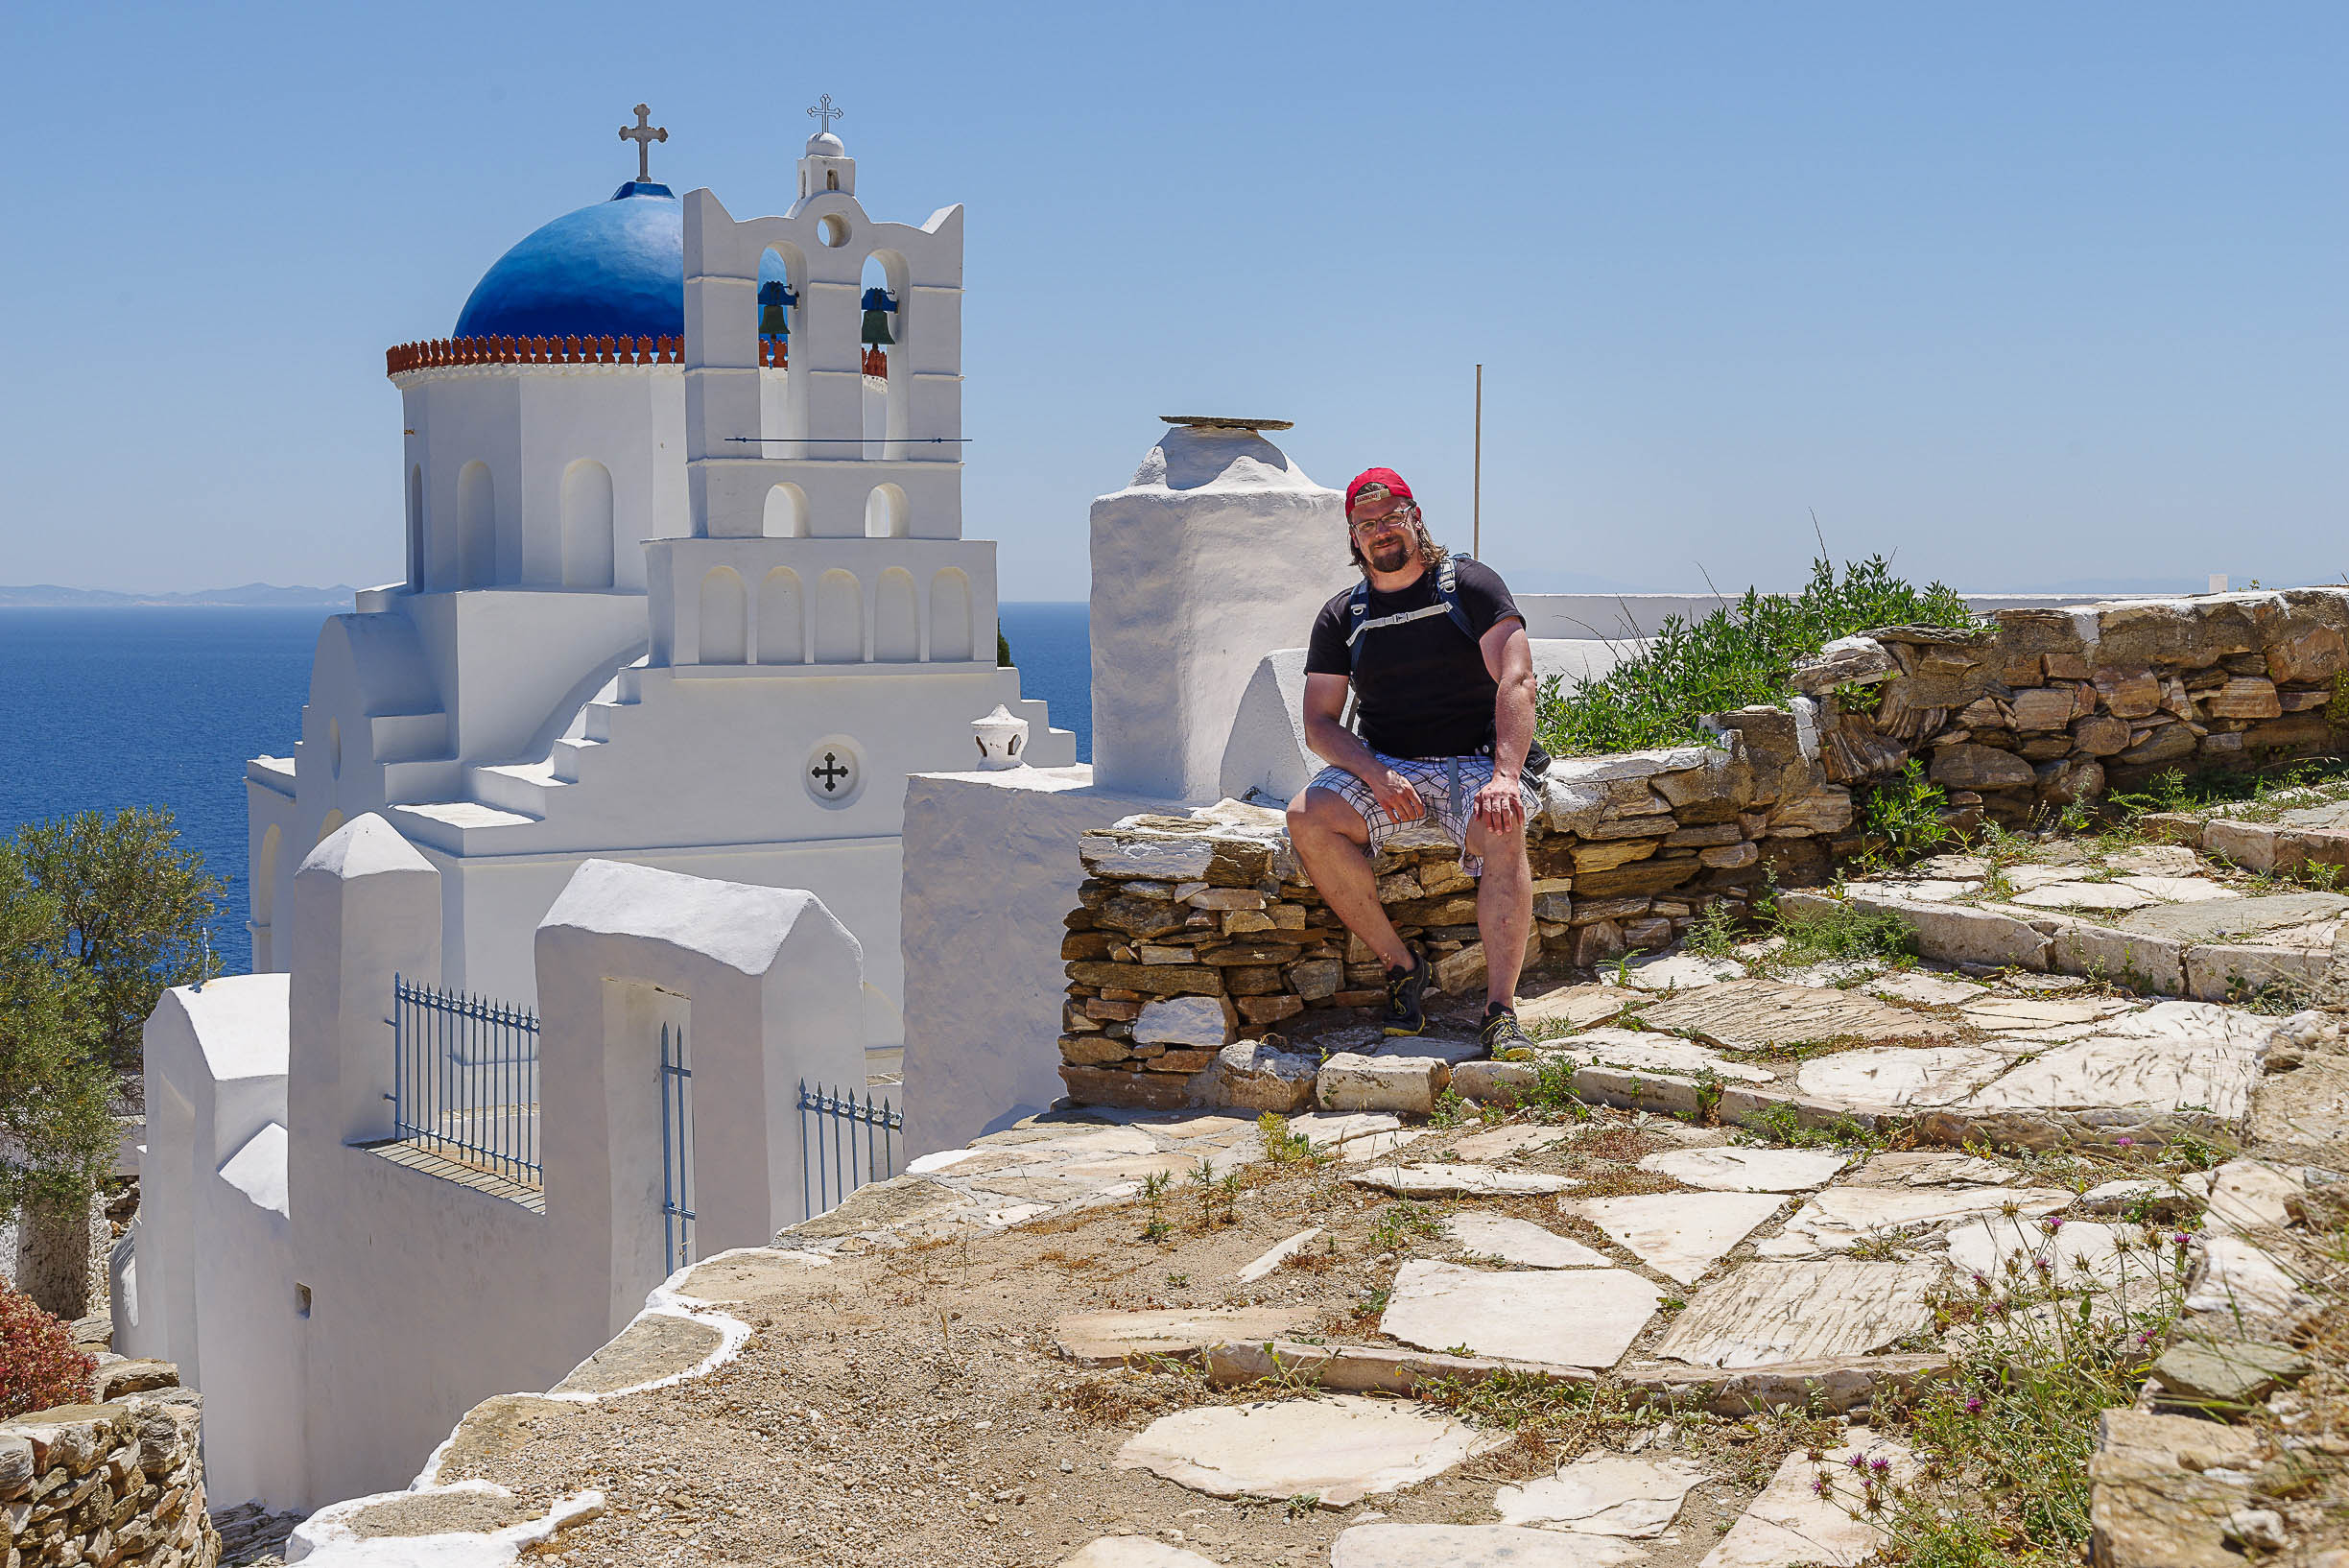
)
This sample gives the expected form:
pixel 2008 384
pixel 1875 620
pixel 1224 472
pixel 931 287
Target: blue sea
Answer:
pixel 161 706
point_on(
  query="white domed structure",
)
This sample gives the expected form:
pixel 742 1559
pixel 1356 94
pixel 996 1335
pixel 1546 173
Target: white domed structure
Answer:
pixel 685 587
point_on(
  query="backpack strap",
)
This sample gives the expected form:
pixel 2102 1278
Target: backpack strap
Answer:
pixel 1447 600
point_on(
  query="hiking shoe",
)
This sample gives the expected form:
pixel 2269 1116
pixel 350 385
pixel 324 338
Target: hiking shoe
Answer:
pixel 1405 1014
pixel 1502 1037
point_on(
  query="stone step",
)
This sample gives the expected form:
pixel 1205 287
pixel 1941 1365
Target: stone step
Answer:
pixel 516 786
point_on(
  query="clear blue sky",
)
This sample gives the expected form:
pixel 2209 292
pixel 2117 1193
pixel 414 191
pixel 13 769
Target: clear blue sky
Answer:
pixel 2028 293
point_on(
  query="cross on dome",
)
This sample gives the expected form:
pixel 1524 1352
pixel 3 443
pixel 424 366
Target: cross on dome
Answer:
pixel 644 133
pixel 823 114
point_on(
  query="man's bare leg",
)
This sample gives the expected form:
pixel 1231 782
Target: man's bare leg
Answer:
pixel 1334 843
pixel 1505 906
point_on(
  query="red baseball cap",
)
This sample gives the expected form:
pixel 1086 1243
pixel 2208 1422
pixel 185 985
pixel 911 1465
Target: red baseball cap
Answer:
pixel 1378 476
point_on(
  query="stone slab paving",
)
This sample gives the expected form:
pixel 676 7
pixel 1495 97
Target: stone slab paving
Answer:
pixel 1748 1170
pixel 2078 1252
pixel 1107 1339
pixel 1521 1241
pixel 1460 1181
pixel 1763 1313
pixel 1473 1546
pixel 1932 990
pixel 1680 1235
pixel 1562 1318
pixel 1839 1218
pixel 1503 1142
pixel 1338 1449
pixel 1891 1078
pixel 1273 1256
pixel 1788 1525
pixel 1133 1551
pixel 1928 1168
pixel 1603 1494
pixel 1764 1015
pixel 1656 1053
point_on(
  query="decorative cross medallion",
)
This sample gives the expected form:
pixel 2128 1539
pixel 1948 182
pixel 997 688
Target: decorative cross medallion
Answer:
pixel 831 772
pixel 644 133
pixel 825 113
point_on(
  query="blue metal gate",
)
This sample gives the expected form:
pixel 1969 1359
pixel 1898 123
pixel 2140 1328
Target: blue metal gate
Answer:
pixel 677 1149
pixel 464 1078
pixel 844 1143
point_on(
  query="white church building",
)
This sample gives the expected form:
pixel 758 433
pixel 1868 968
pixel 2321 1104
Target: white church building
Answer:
pixel 686 581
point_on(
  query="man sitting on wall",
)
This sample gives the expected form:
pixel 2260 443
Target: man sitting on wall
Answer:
pixel 1435 650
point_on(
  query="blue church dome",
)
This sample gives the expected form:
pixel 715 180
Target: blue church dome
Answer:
pixel 616 269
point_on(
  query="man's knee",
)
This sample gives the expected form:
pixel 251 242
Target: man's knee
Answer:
pixel 1316 811
pixel 1506 846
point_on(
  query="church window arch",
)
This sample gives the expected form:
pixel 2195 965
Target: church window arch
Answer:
pixel 782 619
pixel 786 513
pixel 586 525
pixel 476 527
pixel 329 827
pixel 885 514
pixel 896 623
pixel 726 617
pixel 950 616
pixel 840 619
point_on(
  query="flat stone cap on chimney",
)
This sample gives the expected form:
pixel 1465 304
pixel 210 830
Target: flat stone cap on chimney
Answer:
pixel 1217 422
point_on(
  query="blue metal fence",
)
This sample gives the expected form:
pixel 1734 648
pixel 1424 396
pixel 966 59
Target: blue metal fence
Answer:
pixel 464 1078
pixel 677 1149
pixel 844 1142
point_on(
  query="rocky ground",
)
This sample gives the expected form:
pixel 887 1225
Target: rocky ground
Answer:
pixel 1553 1334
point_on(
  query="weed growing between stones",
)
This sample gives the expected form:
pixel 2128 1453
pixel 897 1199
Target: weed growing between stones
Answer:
pixel 1284 1147
pixel 1738 654
pixel 1401 1222
pixel 1905 818
pixel 2002 1446
pixel 1778 1124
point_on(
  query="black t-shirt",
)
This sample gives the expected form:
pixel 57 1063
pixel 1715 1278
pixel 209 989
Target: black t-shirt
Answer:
pixel 1422 688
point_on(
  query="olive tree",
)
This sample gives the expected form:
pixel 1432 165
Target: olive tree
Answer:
pixel 130 909
pixel 56 1133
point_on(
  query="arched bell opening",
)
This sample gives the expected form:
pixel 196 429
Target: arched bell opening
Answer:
pixel 886 514
pixel 881 308
pixel 786 513
pixel 779 304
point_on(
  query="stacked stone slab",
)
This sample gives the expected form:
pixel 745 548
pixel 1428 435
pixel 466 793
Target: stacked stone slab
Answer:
pixel 1193 932
pixel 115 1482
pixel 2043 708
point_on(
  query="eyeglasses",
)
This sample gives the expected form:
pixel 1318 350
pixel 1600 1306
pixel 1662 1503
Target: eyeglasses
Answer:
pixel 1400 517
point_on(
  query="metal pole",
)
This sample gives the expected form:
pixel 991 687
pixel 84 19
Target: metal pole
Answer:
pixel 1476 482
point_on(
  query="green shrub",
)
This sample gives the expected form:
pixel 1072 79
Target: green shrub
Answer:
pixel 1905 811
pixel 39 1367
pixel 1738 654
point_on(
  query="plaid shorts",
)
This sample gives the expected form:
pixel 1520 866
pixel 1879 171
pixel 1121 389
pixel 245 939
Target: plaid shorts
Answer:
pixel 1448 787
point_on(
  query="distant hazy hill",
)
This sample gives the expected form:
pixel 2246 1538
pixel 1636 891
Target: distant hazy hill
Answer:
pixel 48 596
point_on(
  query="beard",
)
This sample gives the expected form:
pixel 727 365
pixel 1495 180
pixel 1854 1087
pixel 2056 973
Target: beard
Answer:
pixel 1391 555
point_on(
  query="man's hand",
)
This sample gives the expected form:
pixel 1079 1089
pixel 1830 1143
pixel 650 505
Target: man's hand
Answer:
pixel 1395 795
pixel 1499 804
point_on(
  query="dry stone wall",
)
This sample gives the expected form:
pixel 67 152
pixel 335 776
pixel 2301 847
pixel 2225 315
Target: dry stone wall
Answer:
pixel 112 1484
pixel 1194 932
pixel 2043 708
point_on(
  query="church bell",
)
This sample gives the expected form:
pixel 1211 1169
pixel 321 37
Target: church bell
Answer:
pixel 775 299
pixel 878 308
